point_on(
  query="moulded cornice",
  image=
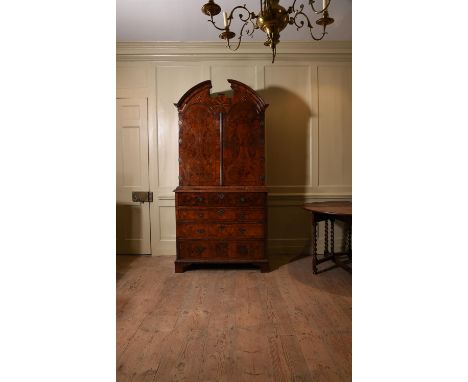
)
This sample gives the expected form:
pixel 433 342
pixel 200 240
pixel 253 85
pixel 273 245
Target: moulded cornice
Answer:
pixel 251 50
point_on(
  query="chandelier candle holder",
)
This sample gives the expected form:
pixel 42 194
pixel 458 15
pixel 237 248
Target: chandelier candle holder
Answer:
pixel 271 19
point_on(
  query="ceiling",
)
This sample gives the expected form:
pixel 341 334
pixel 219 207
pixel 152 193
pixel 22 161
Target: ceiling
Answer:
pixel 182 20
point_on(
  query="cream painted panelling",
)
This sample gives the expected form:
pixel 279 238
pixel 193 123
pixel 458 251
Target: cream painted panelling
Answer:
pixel 171 83
pixel 289 230
pixel 288 222
pixel 168 228
pixel 131 77
pixel 287 91
pixel 220 73
pixel 334 162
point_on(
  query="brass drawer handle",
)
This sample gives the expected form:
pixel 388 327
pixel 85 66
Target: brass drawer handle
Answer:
pixel 199 250
pixel 200 215
pixel 243 250
pixel 242 199
pixel 200 199
pixel 221 195
pixel 200 231
pixel 221 212
pixel 242 230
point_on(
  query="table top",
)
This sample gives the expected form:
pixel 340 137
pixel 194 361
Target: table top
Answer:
pixel 330 208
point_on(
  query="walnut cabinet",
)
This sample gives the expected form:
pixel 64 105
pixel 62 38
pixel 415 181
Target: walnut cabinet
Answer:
pixel 221 198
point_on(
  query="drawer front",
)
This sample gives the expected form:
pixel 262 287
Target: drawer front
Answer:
pixel 221 250
pixel 207 231
pixel 246 250
pixel 220 214
pixel 193 199
pixel 242 199
pixel 202 250
pixel 221 199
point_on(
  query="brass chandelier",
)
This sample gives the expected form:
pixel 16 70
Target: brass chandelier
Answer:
pixel 271 19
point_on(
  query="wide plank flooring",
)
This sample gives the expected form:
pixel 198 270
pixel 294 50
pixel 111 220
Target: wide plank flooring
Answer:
pixel 220 324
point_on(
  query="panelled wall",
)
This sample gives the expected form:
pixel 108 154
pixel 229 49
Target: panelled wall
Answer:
pixel 308 123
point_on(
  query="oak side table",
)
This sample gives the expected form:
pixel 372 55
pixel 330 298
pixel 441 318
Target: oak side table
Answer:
pixel 330 212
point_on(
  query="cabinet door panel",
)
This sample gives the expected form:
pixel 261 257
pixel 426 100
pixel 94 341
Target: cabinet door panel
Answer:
pixel 199 147
pixel 243 146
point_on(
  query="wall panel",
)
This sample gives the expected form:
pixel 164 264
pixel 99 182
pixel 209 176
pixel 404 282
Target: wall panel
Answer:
pixel 287 91
pixel 167 217
pixel 171 83
pixel 220 73
pixel 130 76
pixel 334 87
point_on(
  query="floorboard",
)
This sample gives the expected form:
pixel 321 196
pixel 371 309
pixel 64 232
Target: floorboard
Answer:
pixel 224 324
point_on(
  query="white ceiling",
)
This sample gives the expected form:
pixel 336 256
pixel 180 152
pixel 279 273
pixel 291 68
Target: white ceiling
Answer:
pixel 182 20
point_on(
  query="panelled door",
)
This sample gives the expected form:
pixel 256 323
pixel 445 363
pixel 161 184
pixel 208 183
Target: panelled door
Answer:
pixel 133 218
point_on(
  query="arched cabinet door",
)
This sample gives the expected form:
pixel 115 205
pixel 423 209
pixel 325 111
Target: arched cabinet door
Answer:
pixel 243 145
pixel 199 147
pixel 244 138
pixel 199 138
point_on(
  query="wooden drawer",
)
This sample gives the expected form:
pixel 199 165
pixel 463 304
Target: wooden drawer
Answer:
pixel 193 199
pixel 246 250
pixel 213 231
pixel 221 250
pixel 221 199
pixel 200 214
pixel 202 249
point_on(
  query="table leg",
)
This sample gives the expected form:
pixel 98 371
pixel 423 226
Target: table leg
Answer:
pixel 326 253
pixel 349 245
pixel 314 246
pixel 332 237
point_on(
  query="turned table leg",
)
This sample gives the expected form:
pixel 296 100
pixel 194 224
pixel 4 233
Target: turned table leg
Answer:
pixel 348 239
pixel 326 253
pixel 332 237
pixel 314 246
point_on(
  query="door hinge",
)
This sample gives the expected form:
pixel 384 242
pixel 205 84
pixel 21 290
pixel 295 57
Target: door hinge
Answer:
pixel 142 196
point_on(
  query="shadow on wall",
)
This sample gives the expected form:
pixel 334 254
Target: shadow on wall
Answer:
pixel 287 132
pixel 125 222
pixel 287 135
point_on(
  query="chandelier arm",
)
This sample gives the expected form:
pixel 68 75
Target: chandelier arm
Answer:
pixel 311 2
pixel 301 23
pixel 237 46
pixel 249 16
pixel 214 24
pixel 292 8
pixel 297 14
pixel 318 38
pixel 241 34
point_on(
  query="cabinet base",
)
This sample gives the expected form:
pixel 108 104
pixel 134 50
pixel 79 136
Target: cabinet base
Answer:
pixel 182 265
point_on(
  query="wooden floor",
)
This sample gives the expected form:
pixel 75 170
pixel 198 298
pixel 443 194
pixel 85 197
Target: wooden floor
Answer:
pixel 231 324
